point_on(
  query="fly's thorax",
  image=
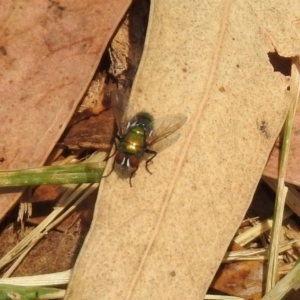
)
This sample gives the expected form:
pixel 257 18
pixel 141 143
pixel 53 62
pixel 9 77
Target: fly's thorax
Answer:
pixel 127 160
pixel 144 120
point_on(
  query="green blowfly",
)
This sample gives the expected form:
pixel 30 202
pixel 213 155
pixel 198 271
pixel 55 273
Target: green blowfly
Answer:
pixel 137 133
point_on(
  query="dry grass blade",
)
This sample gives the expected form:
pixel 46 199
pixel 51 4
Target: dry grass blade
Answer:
pixel 281 189
pixel 275 236
pixel 71 198
pixel 254 232
pixel 58 278
pixel 72 193
pixel 254 254
pixel 219 297
pixel 284 285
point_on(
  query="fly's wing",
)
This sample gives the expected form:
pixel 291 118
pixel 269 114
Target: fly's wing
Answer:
pixel 119 105
pixel 164 127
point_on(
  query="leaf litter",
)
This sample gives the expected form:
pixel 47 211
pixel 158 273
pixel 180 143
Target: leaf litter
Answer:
pixel 251 267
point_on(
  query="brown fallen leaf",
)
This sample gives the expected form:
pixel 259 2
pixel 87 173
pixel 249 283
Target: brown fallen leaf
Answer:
pixel 127 45
pixel 46 193
pixel 292 295
pixel 165 237
pixel 49 54
pixel 94 101
pixel 241 279
pixel 95 132
pixel 52 254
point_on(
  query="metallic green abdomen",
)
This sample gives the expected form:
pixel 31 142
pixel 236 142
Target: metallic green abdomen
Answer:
pixel 134 142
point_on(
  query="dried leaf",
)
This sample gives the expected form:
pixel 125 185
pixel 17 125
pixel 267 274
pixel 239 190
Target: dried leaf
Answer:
pixel 242 279
pixel 49 53
pixel 165 237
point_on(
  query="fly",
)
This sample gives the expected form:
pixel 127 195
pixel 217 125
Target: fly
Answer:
pixel 137 134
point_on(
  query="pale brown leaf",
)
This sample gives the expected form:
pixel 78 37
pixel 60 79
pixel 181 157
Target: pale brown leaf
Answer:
pixel 165 237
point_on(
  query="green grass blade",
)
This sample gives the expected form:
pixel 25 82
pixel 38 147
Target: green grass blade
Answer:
pixel 66 174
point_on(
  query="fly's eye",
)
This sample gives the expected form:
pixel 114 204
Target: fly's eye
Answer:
pixel 134 161
pixel 120 158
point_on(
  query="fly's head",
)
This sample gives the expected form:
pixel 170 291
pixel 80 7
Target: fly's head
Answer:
pixel 127 161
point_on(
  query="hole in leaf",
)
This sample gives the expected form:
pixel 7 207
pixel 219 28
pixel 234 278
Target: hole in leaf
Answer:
pixel 280 64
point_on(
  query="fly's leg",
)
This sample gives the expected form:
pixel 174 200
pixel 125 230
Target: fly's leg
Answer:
pixel 131 176
pixel 113 166
pixel 116 147
pixel 149 160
